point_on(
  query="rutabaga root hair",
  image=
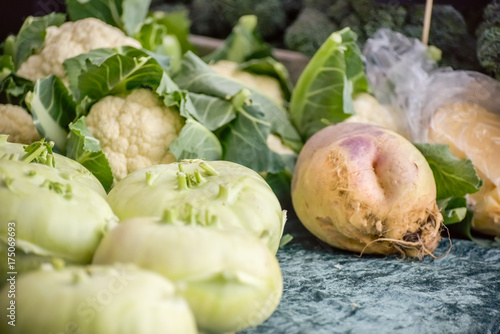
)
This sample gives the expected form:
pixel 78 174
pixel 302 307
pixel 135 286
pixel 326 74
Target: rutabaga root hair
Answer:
pixel 419 245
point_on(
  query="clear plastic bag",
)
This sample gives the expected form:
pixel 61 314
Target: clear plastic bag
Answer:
pixel 440 105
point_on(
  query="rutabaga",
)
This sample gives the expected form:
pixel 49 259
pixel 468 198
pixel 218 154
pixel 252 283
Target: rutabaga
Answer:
pixel 219 193
pixel 95 300
pixel 229 278
pixel 367 189
pixel 55 212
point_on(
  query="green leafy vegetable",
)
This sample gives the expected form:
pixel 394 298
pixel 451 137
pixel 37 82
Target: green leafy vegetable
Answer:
pixel 40 152
pixel 85 149
pixel 273 68
pixel 212 112
pixel 454 210
pixel 32 35
pixel 13 88
pixel 323 94
pixel 119 74
pixel 127 15
pixel 103 72
pixel 111 71
pixel 464 228
pixel 197 77
pixel 245 139
pixel 454 177
pixel 53 109
pixel 245 47
pixel 173 96
pixel 166 34
pixel 77 65
pixel 196 141
pixel 159 26
pixel 7 47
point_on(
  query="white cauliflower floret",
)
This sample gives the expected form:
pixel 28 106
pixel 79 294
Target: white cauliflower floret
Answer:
pixel 265 84
pixel 18 124
pixel 135 131
pixel 69 40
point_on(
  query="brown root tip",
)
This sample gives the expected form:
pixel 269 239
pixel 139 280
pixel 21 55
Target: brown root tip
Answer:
pixel 406 246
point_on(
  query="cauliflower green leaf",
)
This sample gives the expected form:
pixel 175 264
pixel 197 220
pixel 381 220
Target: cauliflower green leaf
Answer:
pixel 32 35
pixel 194 142
pixel 197 77
pixel 167 34
pixel 212 112
pixel 53 109
pixel 323 94
pixel 127 15
pixel 85 149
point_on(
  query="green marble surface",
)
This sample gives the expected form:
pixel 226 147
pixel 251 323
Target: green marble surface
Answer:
pixel 329 291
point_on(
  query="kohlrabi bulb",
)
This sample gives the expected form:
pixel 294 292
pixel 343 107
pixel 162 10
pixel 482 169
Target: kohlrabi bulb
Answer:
pixel 219 193
pixel 95 300
pixel 230 278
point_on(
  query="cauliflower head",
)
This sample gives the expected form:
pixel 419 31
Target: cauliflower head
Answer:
pixel 69 40
pixel 368 110
pixel 265 84
pixel 18 124
pixel 134 131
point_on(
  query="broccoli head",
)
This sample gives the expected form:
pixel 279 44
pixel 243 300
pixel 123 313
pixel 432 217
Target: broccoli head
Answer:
pixel 488 39
pixel 354 23
pixel 364 8
pixel 339 10
pixel 448 32
pixel 384 16
pixel 309 31
pixel 488 50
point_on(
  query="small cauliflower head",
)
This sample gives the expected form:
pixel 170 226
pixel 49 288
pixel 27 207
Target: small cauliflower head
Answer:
pixel 264 84
pixel 134 131
pixel 69 40
pixel 368 110
pixel 18 124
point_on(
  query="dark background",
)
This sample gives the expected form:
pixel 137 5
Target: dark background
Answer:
pixel 14 12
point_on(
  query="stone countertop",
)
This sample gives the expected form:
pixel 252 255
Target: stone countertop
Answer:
pixel 329 291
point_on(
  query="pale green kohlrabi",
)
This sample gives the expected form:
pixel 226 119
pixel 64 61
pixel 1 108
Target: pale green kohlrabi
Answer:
pixel 219 193
pixel 51 212
pixel 229 278
pixel 68 168
pixel 95 300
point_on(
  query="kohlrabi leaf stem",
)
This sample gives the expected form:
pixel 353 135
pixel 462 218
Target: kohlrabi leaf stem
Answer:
pixel 199 178
pixel 169 216
pixel 182 181
pixel 39 152
pixel 151 178
pixel 209 170
pixel 223 193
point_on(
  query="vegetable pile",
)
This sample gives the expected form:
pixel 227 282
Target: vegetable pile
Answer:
pixel 132 165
